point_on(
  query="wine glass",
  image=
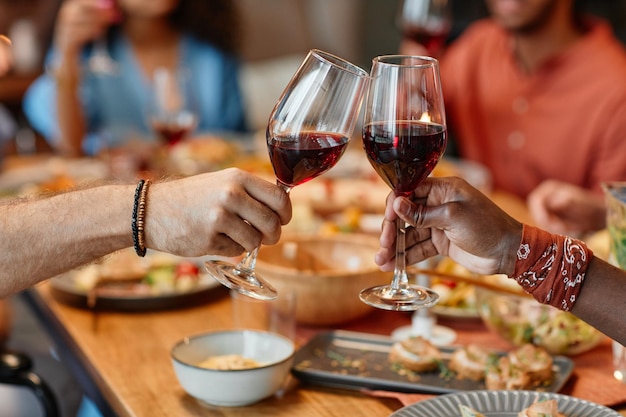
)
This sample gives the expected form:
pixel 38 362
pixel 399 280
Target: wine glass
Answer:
pixel 426 22
pixel 172 110
pixel 308 131
pixel 100 61
pixel 404 136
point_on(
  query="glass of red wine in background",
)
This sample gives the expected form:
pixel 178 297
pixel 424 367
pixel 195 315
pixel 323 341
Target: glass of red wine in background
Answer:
pixel 100 61
pixel 308 131
pixel 172 112
pixel 426 22
pixel 404 137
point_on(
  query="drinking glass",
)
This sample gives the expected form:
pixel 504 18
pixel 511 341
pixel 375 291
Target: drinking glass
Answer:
pixel 615 197
pixel 308 131
pixel 404 137
pixel 172 111
pixel 100 61
pixel 426 22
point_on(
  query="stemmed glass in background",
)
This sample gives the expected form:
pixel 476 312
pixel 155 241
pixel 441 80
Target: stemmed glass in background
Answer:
pixel 426 22
pixel 100 61
pixel 307 133
pixel 172 110
pixel 404 136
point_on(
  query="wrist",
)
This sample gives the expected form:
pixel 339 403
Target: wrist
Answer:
pixel 512 244
pixel 65 65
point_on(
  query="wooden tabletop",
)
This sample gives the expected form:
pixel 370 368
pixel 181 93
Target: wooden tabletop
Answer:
pixel 122 360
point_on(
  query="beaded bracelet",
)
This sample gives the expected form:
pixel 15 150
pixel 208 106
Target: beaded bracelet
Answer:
pixel 139 214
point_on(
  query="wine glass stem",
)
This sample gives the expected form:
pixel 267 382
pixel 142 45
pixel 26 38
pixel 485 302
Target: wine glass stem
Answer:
pixel 248 263
pixel 400 278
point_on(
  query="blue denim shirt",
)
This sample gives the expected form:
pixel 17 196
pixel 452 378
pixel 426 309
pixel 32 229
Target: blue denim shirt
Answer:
pixel 115 105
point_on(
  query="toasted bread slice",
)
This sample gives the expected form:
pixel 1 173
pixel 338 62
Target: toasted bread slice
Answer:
pixel 416 354
pixel 470 362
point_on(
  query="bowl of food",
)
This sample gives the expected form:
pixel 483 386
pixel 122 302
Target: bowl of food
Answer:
pixel 326 272
pixel 233 367
pixel 521 319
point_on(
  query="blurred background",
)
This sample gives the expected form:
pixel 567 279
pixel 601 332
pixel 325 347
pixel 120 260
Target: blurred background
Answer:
pixel 275 36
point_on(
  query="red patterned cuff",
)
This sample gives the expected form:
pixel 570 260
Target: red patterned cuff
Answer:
pixel 551 267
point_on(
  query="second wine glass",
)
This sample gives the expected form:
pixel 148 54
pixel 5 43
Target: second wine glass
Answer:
pixel 172 111
pixel 426 22
pixel 404 136
pixel 307 133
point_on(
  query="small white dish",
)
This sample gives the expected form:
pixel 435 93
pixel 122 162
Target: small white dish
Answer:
pixel 233 387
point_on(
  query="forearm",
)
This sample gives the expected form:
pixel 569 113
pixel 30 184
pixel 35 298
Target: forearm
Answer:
pixel 71 119
pixel 43 238
pixel 602 299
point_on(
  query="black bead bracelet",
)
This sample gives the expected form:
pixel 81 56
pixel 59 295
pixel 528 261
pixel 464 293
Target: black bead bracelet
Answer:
pixel 139 214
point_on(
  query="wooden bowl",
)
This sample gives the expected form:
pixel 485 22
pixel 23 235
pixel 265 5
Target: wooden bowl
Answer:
pixel 326 272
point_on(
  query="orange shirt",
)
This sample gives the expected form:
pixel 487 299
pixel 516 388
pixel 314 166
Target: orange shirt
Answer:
pixel 566 121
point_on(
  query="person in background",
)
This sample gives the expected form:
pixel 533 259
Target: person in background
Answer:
pixel 535 93
pixel 83 112
pixel 449 217
pixel 8 125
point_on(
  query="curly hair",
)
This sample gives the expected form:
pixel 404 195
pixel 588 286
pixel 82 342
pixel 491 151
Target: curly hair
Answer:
pixel 213 21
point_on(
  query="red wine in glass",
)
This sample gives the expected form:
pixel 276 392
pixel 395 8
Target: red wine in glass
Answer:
pixel 307 133
pixel 426 22
pixel 301 158
pixel 405 152
pixel 433 41
pixel 174 129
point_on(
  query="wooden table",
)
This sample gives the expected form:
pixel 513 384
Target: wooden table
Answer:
pixel 123 359
pixel 123 362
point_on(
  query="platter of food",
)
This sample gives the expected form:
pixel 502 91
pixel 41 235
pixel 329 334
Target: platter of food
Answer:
pixel 125 282
pixel 457 300
pixel 354 360
pixel 50 175
pixel 504 404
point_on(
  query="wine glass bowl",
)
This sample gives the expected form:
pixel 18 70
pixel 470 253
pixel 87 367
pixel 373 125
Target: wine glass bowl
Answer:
pixel 172 112
pixel 404 137
pixel 100 62
pixel 308 131
pixel 426 22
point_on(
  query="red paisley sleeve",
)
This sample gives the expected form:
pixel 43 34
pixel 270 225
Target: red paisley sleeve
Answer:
pixel 551 267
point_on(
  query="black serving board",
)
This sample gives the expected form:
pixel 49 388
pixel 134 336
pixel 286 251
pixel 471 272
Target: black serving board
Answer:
pixel 358 361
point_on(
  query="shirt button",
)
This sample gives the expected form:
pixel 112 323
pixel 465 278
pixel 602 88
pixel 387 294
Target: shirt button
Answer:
pixel 520 105
pixel 516 140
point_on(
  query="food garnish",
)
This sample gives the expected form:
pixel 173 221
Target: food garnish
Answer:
pixel 229 362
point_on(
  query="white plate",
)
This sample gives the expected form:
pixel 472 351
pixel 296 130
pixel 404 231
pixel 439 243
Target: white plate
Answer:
pixel 65 289
pixel 501 404
pixel 456 312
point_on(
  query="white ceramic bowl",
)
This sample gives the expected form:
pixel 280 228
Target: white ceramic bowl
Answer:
pixel 231 388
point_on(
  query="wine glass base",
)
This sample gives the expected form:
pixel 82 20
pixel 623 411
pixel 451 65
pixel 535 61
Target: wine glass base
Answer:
pixel 245 282
pixel 409 298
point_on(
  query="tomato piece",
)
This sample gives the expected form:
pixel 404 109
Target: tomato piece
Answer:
pixel 187 269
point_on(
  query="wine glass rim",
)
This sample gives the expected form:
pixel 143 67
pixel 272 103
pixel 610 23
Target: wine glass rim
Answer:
pixel 339 62
pixel 397 60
